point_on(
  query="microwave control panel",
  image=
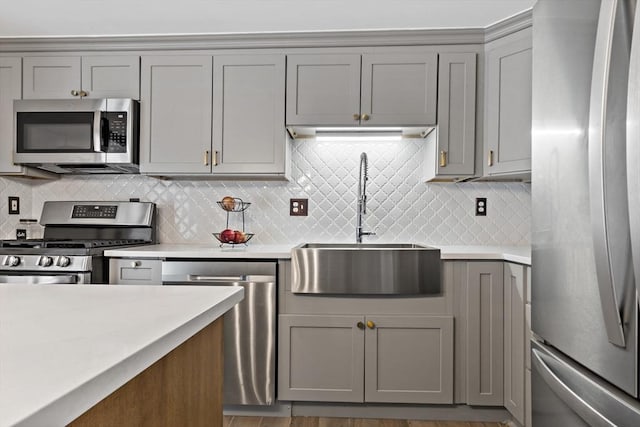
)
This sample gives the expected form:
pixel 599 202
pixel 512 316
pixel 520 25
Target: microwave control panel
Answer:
pixel 115 131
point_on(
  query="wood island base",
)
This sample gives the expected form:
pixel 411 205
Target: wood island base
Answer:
pixel 184 388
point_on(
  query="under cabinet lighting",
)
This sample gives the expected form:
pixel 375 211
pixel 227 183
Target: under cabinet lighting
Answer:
pixel 357 138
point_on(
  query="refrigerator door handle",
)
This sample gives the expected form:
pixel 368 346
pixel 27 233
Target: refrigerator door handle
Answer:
pixel 633 149
pixel 565 393
pixel 605 118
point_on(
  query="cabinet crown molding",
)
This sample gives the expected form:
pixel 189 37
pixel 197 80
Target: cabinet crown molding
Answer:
pixel 353 38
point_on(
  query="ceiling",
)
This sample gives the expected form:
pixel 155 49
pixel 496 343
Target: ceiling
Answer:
pixel 38 18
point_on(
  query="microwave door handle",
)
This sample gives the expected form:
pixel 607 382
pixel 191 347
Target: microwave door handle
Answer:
pixel 607 181
pixel 99 144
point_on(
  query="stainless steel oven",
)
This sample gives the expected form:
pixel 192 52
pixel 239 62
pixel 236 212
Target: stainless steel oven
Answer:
pixel 77 136
pixel 75 237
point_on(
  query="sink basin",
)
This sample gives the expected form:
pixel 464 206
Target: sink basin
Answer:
pixel 365 269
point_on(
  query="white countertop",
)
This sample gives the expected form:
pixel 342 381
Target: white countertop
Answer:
pixel 519 254
pixel 167 250
pixel 63 348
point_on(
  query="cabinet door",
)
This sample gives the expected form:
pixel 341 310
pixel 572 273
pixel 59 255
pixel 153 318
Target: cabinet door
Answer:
pixel 50 77
pixel 409 359
pixel 323 89
pixel 399 89
pixel 175 114
pixel 123 271
pixel 484 317
pixel 508 105
pixel 248 114
pixel 111 76
pixel 450 148
pixel 321 358
pixel 514 340
pixel 10 89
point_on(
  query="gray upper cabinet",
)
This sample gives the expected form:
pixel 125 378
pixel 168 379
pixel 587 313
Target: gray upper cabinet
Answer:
pixel 248 115
pixel 69 77
pixel 10 90
pixel 362 90
pixel 450 151
pixel 323 89
pixel 507 141
pixel 175 114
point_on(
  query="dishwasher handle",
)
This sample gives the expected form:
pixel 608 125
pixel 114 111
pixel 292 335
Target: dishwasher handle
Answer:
pixel 252 278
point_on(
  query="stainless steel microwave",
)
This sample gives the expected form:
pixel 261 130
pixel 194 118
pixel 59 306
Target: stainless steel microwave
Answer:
pixel 78 135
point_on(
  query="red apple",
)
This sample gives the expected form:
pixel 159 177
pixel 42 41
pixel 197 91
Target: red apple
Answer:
pixel 239 237
pixel 227 236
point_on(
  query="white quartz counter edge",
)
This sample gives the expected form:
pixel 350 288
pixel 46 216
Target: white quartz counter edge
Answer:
pixel 102 354
pixel 166 250
pixel 519 254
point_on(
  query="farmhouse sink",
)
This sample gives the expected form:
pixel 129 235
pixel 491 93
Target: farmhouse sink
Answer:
pixel 365 269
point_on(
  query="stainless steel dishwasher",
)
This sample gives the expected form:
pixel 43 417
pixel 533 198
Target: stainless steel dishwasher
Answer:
pixel 249 328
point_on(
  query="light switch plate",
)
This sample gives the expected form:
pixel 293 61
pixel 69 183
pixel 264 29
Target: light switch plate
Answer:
pixel 298 207
pixel 14 205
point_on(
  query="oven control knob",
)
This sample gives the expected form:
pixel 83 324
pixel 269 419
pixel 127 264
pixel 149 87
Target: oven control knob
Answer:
pixel 64 261
pixel 13 261
pixel 45 261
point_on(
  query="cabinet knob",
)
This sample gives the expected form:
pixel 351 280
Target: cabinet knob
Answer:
pixel 365 117
pixel 75 93
pixel 360 325
pixel 135 264
pixel 443 158
pixel 490 158
pixel 82 93
pixel 356 117
pixel 206 158
pixel 370 324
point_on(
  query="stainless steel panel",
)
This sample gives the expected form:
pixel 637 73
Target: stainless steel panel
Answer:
pixel 566 309
pixel 249 328
pixel 566 395
pixel 128 214
pixel 607 175
pixel 377 269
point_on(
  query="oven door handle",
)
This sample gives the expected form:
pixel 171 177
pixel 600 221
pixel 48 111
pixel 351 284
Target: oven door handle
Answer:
pixel 41 280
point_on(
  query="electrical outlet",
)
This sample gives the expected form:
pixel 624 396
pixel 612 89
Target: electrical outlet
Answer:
pixel 298 207
pixel 14 205
pixel 481 206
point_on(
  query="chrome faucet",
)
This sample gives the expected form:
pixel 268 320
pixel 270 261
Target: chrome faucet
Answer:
pixel 363 177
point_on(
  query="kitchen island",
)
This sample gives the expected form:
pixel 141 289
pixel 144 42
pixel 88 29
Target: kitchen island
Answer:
pixel 111 355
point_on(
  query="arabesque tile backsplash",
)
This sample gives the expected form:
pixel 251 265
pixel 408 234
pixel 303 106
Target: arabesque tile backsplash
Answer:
pixel 401 207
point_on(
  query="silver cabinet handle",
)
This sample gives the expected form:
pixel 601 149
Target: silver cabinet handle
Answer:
pixel 607 184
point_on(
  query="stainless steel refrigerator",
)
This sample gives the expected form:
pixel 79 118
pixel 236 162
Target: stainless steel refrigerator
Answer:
pixel 586 213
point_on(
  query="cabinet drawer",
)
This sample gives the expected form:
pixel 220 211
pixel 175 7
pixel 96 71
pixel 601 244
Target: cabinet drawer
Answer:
pixel 123 271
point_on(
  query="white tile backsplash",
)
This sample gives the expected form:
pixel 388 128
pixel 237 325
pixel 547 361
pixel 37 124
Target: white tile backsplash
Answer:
pixel 401 207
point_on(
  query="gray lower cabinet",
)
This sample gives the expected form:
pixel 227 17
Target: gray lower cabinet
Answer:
pixel 450 151
pixel 514 339
pixel 130 271
pixel 507 140
pixel 480 335
pixel 369 89
pixel 69 77
pixel 404 359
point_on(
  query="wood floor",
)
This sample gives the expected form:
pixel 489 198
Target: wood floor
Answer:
pixel 344 422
